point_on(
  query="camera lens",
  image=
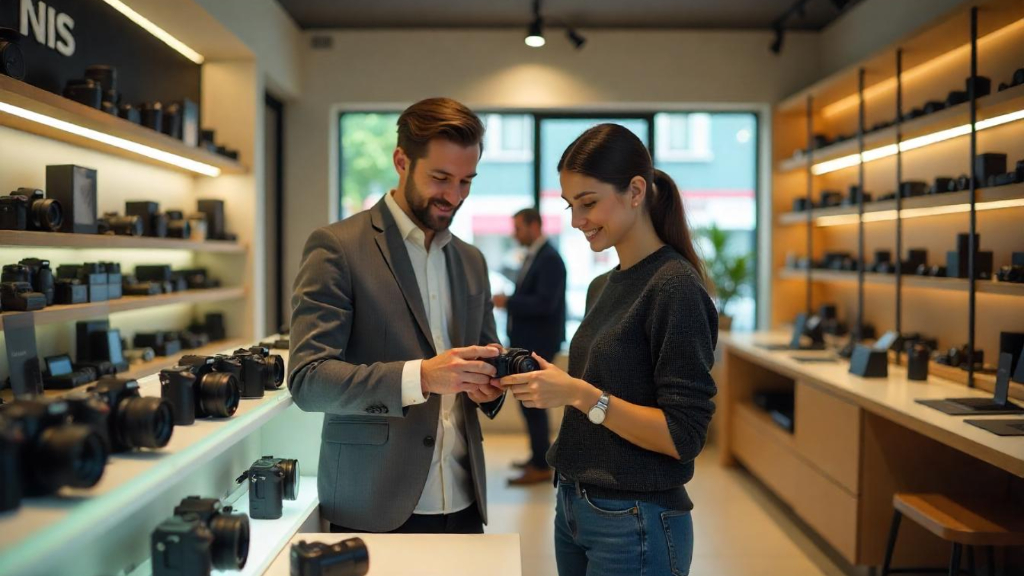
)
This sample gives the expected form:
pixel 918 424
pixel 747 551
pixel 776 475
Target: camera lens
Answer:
pixel 70 455
pixel 291 478
pixel 218 394
pixel 230 541
pixel 47 214
pixel 145 422
pixel 523 364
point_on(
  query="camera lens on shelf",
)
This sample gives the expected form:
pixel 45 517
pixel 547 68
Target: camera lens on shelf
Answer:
pixel 230 541
pixel 346 558
pixel 84 91
pixel 218 394
pixel 12 61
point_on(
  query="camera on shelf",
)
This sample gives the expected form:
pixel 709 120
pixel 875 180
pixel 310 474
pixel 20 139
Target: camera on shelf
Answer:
pixel 30 209
pixel 271 482
pixel 200 536
pixel 132 286
pixel 40 276
pixel 20 296
pixel 113 224
pixel 1016 80
pixel 163 343
pixel 70 291
pixel 123 418
pixel 154 222
pixel 196 391
pixel 99 345
pixel 93 275
pixel 513 361
pixel 1015 271
pixel 346 558
pixel 227 365
pixel 60 373
pixel 260 369
pixel 958 357
pixel 139 355
pixel 12 61
pixel 52 451
pixel 178 226
pixel 84 91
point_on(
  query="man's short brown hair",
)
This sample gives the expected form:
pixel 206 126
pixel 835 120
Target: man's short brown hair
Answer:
pixel 434 118
pixel 530 216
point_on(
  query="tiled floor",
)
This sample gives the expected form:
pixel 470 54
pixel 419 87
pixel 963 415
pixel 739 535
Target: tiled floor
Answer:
pixel 739 529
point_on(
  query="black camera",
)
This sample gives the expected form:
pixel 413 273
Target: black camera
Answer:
pixel 12 61
pixel 84 91
pixel 261 370
pixel 60 373
pixel 113 223
pixel 53 452
pixel 20 296
pixel 199 537
pixel 177 225
pixel 124 419
pixel 163 343
pixel 70 291
pixel 30 209
pixel 37 273
pixel 346 558
pixel 271 482
pixel 513 361
pixel 154 222
pixel 196 391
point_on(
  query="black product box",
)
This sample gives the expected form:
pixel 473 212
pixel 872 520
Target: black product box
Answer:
pixel 85 340
pixel 214 212
pixel 942 184
pixel 801 205
pixel 153 273
pixel 868 362
pixel 828 198
pixel 989 165
pixel 980 85
pixel 1017 259
pixel 70 291
pixel 215 326
pixel 75 188
pixel 913 188
pixel 956 265
pixel 957 97
pixel 22 358
pixel 114 279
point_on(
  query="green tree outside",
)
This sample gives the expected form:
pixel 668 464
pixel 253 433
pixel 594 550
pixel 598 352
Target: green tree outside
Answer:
pixel 367 142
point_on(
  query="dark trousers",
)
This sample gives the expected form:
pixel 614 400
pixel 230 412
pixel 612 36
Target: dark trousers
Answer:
pixel 537 425
pixel 462 522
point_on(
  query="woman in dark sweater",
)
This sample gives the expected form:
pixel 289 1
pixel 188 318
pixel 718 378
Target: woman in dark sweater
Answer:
pixel 638 394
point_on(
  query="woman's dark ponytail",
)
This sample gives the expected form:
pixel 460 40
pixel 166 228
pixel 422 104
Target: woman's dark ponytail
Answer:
pixel 614 155
pixel 665 206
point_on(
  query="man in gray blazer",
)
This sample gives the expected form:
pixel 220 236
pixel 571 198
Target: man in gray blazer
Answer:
pixel 391 323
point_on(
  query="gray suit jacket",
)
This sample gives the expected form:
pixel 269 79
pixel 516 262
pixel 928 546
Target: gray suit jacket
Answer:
pixel 357 317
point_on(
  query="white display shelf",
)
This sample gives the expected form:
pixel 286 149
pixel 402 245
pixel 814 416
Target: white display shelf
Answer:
pixel 86 241
pixel 909 280
pixel 42 528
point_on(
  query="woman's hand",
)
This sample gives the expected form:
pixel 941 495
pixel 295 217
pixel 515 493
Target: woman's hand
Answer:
pixel 550 387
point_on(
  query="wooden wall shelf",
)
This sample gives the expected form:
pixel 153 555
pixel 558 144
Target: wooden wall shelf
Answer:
pixel 997 194
pixel 909 281
pixel 995 104
pixel 73 312
pixel 39 101
pixel 61 240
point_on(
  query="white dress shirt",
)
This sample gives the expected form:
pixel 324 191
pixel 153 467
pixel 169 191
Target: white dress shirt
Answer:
pixel 449 487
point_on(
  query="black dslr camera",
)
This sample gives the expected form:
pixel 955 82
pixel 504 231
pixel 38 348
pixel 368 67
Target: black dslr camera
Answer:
pixel 196 391
pixel 51 451
pixel 30 209
pixel 125 419
pixel 21 297
pixel 345 558
pixel 40 275
pixel 513 361
pixel 271 482
pixel 199 537
pixel 261 370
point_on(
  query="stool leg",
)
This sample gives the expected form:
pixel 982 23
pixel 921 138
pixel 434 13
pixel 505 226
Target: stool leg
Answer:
pixel 991 560
pixel 894 530
pixel 970 561
pixel 954 560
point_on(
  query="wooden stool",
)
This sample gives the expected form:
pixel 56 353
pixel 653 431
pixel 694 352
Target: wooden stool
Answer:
pixel 977 524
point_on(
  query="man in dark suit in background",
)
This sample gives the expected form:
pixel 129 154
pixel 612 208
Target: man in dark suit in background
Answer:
pixel 536 321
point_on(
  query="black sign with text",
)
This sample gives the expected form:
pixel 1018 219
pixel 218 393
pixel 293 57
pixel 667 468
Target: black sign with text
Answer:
pixel 60 38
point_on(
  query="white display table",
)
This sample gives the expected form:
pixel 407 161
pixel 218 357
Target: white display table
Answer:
pixel 425 554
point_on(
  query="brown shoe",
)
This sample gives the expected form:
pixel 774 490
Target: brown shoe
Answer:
pixel 532 475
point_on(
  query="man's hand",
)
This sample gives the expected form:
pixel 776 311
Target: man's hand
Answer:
pixel 500 300
pixel 486 393
pixel 458 370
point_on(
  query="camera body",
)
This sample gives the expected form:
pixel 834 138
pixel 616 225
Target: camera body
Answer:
pixel 197 391
pixel 271 481
pixel 60 373
pixel 200 537
pixel 513 361
pixel 52 451
pixel 261 370
pixel 30 209
pixel 41 277
pixel 20 296
pixel 346 558
pixel 134 421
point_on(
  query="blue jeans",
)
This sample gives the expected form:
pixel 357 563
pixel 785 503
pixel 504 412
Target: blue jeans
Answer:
pixel 599 537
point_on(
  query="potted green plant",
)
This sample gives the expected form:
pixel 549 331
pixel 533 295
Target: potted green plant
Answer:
pixel 730 273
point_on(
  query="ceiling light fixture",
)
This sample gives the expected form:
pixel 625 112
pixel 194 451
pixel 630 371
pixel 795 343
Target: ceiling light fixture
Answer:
pixel 577 40
pixel 535 33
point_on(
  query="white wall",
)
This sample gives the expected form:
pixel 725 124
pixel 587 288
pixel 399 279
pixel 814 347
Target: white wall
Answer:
pixel 494 69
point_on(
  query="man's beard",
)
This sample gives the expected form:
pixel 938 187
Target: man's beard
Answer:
pixel 420 207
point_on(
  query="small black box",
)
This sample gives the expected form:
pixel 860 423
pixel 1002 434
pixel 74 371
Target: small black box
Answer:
pixel 918 356
pixel 85 339
pixel 913 188
pixel 214 211
pixel 956 265
pixel 942 184
pixel 957 97
pixel 988 165
pixel 214 325
pixel 868 362
pixel 70 291
pixel 75 188
pixel 980 85
pixel 153 273
pixel 801 205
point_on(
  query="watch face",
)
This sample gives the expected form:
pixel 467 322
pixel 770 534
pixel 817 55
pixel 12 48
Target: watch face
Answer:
pixel 596 415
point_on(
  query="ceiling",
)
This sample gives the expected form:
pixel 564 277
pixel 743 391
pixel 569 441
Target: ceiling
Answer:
pixel 718 14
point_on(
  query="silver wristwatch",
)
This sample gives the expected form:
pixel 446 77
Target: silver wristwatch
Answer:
pixel 600 410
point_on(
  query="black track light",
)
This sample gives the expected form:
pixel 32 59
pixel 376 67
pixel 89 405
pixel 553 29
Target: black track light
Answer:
pixel 577 40
pixel 776 46
pixel 535 33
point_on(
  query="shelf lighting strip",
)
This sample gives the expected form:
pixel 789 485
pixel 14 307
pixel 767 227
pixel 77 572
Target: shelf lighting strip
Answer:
pixel 157 31
pixel 887 215
pixel 141 149
pixel 912 144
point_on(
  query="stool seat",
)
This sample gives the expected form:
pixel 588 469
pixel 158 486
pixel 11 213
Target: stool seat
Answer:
pixel 971 522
